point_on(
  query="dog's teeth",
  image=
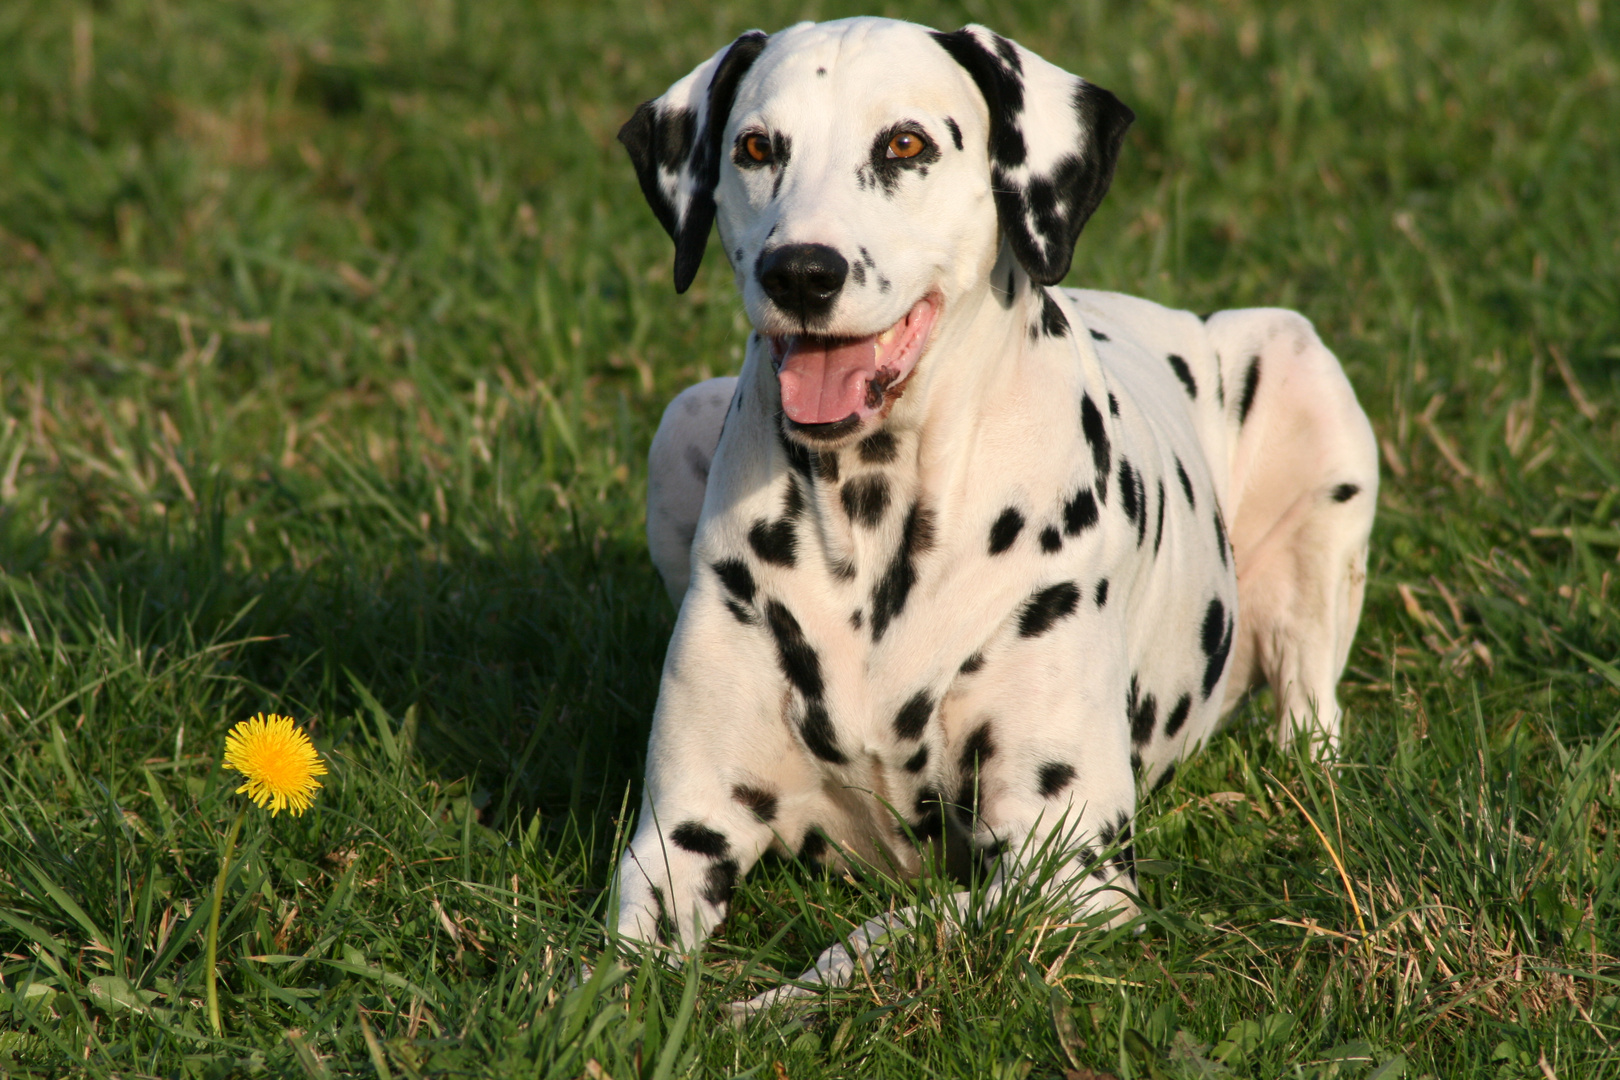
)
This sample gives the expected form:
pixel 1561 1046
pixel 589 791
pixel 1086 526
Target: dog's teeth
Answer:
pixel 886 337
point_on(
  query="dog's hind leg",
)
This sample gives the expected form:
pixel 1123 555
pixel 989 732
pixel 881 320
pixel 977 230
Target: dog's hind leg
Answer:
pixel 677 474
pixel 1303 489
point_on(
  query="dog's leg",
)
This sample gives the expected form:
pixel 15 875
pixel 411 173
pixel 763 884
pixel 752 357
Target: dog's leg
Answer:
pixel 1304 486
pixel 724 781
pixel 1044 786
pixel 677 472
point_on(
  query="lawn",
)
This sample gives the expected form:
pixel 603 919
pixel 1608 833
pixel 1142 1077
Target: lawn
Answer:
pixel 332 337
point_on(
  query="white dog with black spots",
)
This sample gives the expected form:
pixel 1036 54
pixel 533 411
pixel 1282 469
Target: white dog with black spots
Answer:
pixel 959 553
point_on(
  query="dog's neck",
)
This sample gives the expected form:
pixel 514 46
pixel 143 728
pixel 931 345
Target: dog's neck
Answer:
pixel 983 342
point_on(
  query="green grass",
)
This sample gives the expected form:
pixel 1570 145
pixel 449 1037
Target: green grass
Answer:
pixel 332 335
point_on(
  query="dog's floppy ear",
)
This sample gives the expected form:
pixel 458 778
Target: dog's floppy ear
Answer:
pixel 1054 139
pixel 674 141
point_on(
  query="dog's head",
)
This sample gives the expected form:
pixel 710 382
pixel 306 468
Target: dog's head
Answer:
pixel 864 174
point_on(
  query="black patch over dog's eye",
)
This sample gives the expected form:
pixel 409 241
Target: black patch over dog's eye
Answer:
pixel 898 148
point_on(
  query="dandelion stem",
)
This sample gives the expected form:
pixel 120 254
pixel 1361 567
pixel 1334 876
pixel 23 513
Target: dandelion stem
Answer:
pixel 213 921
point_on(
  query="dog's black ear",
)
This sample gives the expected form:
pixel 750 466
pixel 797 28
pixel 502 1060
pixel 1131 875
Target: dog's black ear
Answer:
pixel 674 141
pixel 1054 139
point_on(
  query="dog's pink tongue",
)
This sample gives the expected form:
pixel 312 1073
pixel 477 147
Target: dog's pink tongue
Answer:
pixel 824 382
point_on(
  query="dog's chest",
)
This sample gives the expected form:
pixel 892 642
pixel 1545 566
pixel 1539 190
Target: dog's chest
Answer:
pixel 893 581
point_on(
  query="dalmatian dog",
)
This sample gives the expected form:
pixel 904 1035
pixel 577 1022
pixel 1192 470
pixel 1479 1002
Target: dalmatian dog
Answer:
pixel 961 557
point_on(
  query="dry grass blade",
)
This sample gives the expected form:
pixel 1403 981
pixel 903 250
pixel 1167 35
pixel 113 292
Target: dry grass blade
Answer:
pixel 1338 863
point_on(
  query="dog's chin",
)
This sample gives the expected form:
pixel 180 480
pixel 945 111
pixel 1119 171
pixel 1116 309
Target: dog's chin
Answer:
pixel 830 435
pixel 835 389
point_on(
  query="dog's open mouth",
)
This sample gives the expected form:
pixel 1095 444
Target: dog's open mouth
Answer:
pixel 831 384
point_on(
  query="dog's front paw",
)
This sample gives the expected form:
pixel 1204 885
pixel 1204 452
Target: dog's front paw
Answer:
pixel 673 897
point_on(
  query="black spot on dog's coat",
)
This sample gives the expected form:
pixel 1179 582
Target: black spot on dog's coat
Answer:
pixel 813 846
pixel 1051 540
pixel 1165 777
pixel 930 818
pixel 734 575
pixel 1005 530
pixel 916 762
pixel 1220 535
pixel 855 619
pixel 1345 492
pixel 1186 484
pixel 698 463
pixel 827 466
pixel 1251 384
pixel 776 542
pixel 972 663
pixel 890 594
pixel 762 802
pixel 1138 484
pixel 1098 335
pixel 912 719
pixel 1046 607
pixel 1178 715
pixel 865 498
pixel 1127 490
pixel 1054 777
pixel 978 748
pixel 1054 323
pixel 877 448
pixel 665 927
pixel 699 839
pixel 1113 405
pixel 1158 531
pixel 819 736
pixel 1100 595
pixel 1214 626
pixel 956 132
pixel 1096 433
pixel 1216 640
pixel 798 660
pixel 1125 861
pixel 1080 512
pixel 1086 856
pixel 1184 373
pixel 720 882
pixel 1107 833
pixel 1144 714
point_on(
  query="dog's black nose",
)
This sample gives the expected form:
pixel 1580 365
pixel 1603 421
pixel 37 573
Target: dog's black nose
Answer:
pixel 803 279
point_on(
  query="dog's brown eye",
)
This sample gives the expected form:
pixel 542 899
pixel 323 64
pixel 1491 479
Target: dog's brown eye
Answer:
pixel 905 145
pixel 757 147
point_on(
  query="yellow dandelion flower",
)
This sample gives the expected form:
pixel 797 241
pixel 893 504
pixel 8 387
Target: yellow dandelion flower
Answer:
pixel 278 760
